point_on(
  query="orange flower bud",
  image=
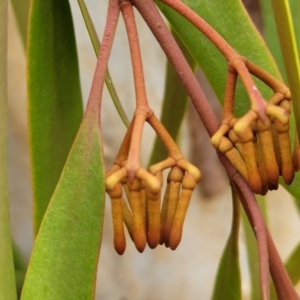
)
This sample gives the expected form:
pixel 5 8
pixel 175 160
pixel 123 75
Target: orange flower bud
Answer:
pixel 268 151
pixel 127 218
pixel 188 185
pixel 169 206
pixel 287 167
pixel 153 216
pixel 261 166
pixel 116 208
pixel 249 155
pixel 139 236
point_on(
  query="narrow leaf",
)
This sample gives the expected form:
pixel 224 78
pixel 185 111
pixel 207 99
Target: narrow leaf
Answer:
pixel 294 188
pixel 63 264
pixel 292 265
pixel 228 280
pixel 292 268
pixel 55 105
pixel 96 45
pixel 252 251
pixel 21 10
pixel 295 11
pixel 7 276
pixel 173 105
pixel 20 268
pixel 64 260
pixel 289 50
pixel 270 35
pixel 274 45
pixel 230 20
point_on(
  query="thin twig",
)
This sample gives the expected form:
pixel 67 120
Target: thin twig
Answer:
pixel 142 109
pixel 253 213
pixel 204 27
pixel 95 97
pixel 135 53
pixel 97 45
pixel 282 282
pixel 155 22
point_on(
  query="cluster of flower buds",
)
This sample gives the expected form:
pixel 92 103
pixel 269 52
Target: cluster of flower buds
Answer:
pixel 260 149
pixel 146 218
pixel 136 202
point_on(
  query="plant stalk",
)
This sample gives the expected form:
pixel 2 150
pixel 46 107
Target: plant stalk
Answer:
pixel 97 45
pixel 7 273
pixel 95 97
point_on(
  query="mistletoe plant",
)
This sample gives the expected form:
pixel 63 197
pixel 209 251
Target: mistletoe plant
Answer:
pixel 253 142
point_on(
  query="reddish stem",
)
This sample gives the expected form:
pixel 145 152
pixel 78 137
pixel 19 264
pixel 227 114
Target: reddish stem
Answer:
pixel 165 137
pixel 258 105
pixel 283 285
pixel 253 213
pixel 204 27
pixel 133 160
pixel 95 97
pixel 282 282
pixel 142 109
pixel 136 59
pixel 268 79
pixel 155 22
pixel 228 103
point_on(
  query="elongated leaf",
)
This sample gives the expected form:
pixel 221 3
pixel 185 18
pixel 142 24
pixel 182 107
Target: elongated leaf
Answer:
pixel 21 10
pixel 295 11
pixel 20 268
pixel 274 45
pixel 292 265
pixel 230 20
pixel 55 106
pixel 270 32
pixel 294 188
pixel 64 260
pixel 96 44
pixel 173 106
pixel 7 276
pixel 271 36
pixel 228 280
pixel 289 50
pixel 252 253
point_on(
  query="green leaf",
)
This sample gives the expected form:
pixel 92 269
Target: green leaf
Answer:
pixel 228 280
pixel 55 105
pixel 270 31
pixel 292 268
pixel 252 251
pixel 289 50
pixel 63 264
pixel 274 45
pixel 230 20
pixel 20 268
pixel 173 105
pixel 292 265
pixel 21 10
pixel 7 274
pixel 294 188
pixel 270 35
pixel 253 258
